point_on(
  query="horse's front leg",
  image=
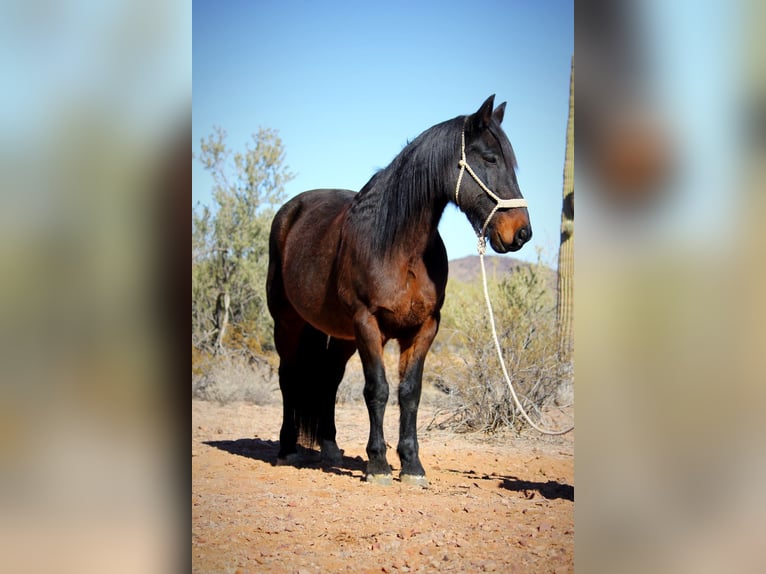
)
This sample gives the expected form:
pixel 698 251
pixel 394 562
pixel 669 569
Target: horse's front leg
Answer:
pixel 369 341
pixel 411 361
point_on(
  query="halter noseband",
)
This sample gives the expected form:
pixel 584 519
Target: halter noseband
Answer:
pixel 500 203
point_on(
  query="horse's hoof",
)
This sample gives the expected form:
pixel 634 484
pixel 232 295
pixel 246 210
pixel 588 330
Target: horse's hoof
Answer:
pixel 311 457
pixel 383 479
pixel 331 454
pixel 332 460
pixel 292 459
pixel 414 480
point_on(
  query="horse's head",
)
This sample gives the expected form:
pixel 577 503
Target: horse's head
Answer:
pixel 489 193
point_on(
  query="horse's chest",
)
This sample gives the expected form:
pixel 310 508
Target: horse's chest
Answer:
pixel 414 310
pixel 410 303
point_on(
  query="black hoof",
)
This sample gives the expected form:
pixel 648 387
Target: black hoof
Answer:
pixel 292 459
pixel 331 454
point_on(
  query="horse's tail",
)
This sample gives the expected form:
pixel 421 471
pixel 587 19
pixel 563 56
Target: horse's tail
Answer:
pixel 307 408
pixel 313 385
pixel 314 388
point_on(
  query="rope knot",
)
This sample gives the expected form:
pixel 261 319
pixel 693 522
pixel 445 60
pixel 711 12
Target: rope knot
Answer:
pixel 481 245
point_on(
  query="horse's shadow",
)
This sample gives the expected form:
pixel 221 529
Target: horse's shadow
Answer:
pixel 550 490
pixel 267 451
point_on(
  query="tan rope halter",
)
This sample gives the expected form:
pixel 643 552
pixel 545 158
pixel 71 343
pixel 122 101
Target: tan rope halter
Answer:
pixel 500 203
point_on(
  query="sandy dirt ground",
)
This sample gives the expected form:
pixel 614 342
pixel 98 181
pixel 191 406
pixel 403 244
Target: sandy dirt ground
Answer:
pixel 494 504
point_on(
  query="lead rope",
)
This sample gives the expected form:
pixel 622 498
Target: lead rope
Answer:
pixel 482 247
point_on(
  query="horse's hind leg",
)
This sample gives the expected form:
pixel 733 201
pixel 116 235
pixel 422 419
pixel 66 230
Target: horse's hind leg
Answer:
pixel 288 327
pixel 289 376
pixel 293 340
pixel 310 371
pixel 331 366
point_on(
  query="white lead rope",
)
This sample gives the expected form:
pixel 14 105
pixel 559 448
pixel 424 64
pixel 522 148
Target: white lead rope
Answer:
pixel 482 249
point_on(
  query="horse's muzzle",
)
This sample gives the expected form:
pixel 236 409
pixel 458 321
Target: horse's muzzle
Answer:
pixel 522 235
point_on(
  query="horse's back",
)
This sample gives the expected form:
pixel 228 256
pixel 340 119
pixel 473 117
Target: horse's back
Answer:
pixel 321 205
pixel 305 236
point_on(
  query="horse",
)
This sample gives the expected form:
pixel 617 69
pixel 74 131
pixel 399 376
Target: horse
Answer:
pixel 351 271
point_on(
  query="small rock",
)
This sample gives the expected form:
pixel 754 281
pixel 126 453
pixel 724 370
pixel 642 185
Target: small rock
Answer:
pixel 544 527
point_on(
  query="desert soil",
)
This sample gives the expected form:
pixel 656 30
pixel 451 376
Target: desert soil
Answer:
pixel 502 503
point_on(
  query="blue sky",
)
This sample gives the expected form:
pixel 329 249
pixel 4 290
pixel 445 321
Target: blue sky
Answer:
pixel 347 84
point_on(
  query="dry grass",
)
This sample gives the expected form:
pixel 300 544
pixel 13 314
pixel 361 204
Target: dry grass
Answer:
pixel 233 378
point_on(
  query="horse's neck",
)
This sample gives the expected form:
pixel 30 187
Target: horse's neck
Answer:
pixel 413 236
pixel 391 215
pixel 419 232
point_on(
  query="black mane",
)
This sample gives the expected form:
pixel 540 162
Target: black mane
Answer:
pixel 412 191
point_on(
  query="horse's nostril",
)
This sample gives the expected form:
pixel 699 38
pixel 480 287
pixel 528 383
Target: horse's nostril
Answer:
pixel 522 234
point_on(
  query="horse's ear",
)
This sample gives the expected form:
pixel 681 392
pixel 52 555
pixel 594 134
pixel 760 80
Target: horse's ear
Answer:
pixel 499 113
pixel 481 119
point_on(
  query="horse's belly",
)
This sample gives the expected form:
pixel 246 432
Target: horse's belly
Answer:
pixel 309 254
pixel 313 294
pixel 322 312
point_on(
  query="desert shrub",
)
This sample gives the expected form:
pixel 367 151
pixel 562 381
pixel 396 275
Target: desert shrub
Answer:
pixel 233 377
pixel 230 242
pixel 467 368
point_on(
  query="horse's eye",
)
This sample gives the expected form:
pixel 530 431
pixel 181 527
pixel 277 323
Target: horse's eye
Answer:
pixel 489 158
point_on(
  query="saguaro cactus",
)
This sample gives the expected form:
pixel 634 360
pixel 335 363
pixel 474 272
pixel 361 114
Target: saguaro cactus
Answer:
pixel 565 303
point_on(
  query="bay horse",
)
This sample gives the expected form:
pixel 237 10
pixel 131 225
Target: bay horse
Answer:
pixel 351 271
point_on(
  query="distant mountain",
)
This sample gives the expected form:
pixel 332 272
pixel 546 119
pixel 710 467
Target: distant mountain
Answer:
pixel 467 269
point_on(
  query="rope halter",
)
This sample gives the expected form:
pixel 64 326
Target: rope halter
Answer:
pixel 500 203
